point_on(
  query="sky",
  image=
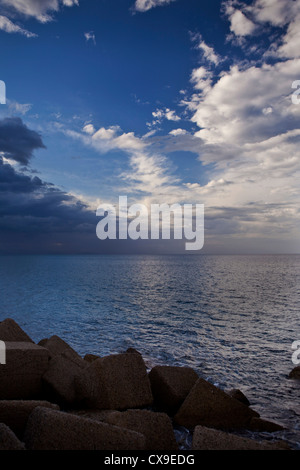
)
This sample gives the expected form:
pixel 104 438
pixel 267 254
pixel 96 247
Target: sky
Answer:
pixel 162 101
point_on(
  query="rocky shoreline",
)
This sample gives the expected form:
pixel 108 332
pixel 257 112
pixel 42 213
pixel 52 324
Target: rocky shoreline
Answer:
pixel 51 398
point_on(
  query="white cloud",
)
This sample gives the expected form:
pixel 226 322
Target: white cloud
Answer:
pixel 277 13
pixel 166 113
pixel 41 10
pixel 201 79
pixel 9 27
pixel 110 138
pixel 232 110
pixel 89 129
pixel 19 108
pixel 90 36
pixel 145 5
pixel 240 25
pixel 291 42
pixel 208 52
pixel 177 132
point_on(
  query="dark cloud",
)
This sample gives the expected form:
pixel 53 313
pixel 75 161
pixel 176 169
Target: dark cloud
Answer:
pixel 39 205
pixel 17 141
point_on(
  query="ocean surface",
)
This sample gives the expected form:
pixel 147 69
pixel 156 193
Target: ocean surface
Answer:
pixel 232 318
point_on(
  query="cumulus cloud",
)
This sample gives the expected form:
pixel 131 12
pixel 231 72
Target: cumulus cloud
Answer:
pixel 247 19
pixel 238 107
pixel 177 132
pixel 160 114
pixel 106 139
pixel 166 113
pixel 240 25
pixel 145 5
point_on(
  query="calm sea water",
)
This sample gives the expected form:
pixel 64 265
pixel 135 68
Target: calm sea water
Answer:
pixel 231 318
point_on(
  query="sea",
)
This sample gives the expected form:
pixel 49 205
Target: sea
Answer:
pixel 232 318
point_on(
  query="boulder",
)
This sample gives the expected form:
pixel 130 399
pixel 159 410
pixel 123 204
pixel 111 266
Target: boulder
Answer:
pixel 15 413
pixel 21 376
pixel 210 406
pixel 170 385
pixel 212 439
pixel 91 357
pixel 262 425
pixel 156 427
pixel 132 351
pixel 11 331
pixel 238 395
pixel 56 346
pixel 56 430
pixel 295 373
pixel 8 440
pixel 59 378
pixel 117 382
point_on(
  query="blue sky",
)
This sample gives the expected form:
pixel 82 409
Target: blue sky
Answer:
pixel 164 101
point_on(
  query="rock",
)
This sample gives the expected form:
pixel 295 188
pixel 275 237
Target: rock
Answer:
pixel 59 379
pixel 295 373
pixel 212 439
pixel 118 382
pixel 10 331
pixel 209 406
pixel 156 427
pixel 238 395
pixel 8 440
pixel 21 376
pixel 132 351
pixel 56 430
pixel 262 425
pixel 15 413
pixel 91 357
pixel 170 385
pixel 56 346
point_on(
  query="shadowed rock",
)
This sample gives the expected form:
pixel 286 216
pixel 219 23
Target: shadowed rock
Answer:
pixel 238 395
pixel 295 373
pixel 156 427
pixel 91 357
pixel 21 376
pixel 56 346
pixel 56 430
pixel 209 406
pixel 8 440
pixel 132 351
pixel 115 382
pixel 212 439
pixel 170 385
pixel 15 413
pixel 11 331
pixel 262 425
pixel 59 379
